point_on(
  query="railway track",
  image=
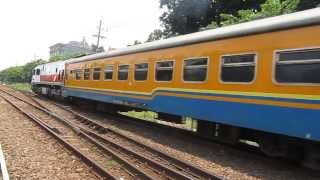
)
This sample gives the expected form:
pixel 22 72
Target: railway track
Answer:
pixel 138 160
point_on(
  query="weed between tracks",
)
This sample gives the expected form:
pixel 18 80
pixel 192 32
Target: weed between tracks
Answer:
pixel 188 123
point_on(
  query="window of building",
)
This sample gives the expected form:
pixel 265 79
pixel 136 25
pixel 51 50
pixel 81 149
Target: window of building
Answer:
pixel 195 70
pixel 238 68
pixel 86 74
pixel 78 74
pixel 108 72
pixel 123 72
pixel 96 73
pixel 298 66
pixel 164 71
pixel 141 72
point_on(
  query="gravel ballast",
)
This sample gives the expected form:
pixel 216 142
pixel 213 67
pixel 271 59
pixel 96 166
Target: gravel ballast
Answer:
pixel 219 159
pixel 32 154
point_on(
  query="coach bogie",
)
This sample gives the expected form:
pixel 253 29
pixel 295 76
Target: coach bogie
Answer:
pixel 217 131
pixel 170 118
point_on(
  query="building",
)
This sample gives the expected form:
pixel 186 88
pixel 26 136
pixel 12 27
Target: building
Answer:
pixel 71 48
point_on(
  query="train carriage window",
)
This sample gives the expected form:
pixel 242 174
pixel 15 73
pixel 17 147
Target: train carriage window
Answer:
pixel 164 71
pixel 298 66
pixel 195 69
pixel 123 72
pixel 69 75
pixel 78 74
pixel 86 74
pixel 96 73
pixel 141 72
pixel 108 72
pixel 38 71
pixel 238 68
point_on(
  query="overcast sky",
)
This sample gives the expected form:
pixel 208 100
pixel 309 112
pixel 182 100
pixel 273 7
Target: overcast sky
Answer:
pixel 28 28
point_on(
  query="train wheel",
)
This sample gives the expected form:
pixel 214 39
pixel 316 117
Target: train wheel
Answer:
pixel 272 146
pixel 206 129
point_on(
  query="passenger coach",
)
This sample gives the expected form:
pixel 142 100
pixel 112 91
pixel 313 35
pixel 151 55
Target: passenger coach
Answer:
pixel 257 81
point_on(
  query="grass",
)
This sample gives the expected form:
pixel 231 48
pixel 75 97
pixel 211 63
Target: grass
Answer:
pixel 145 115
pixel 111 164
pixel 20 86
pixel 189 123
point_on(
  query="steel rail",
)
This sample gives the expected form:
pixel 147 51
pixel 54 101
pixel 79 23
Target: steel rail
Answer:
pixel 179 164
pixel 182 165
pixel 141 174
pixel 168 170
pixel 90 162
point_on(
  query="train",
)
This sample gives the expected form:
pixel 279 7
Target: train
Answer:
pixel 256 81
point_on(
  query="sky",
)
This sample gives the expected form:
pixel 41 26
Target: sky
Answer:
pixel 28 28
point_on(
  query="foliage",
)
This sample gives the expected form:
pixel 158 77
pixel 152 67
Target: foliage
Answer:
pixel 19 73
pixel 97 50
pixel 12 74
pixel 65 56
pixel 187 16
pixel 21 86
pixel 62 57
pixel 308 4
pixel 268 9
pixel 136 42
pixel 157 34
pixel 27 69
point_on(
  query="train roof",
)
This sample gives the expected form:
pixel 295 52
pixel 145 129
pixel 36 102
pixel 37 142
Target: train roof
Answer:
pixel 298 19
pixel 50 63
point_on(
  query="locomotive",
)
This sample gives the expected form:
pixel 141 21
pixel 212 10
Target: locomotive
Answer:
pixel 256 81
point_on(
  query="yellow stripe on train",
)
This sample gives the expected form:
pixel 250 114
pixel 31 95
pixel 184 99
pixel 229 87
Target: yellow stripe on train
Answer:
pixel 247 100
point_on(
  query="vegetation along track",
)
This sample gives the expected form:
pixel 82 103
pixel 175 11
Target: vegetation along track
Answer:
pixel 139 160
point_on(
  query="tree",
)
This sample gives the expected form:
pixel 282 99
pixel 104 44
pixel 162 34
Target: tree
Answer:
pixel 20 73
pixel 308 4
pixel 97 49
pixel 27 69
pixel 187 16
pixel 136 42
pixel 268 9
pixel 12 74
pixel 157 34
pixel 58 57
pixel 62 57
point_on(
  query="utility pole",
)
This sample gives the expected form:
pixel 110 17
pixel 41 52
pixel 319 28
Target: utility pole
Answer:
pixel 99 35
